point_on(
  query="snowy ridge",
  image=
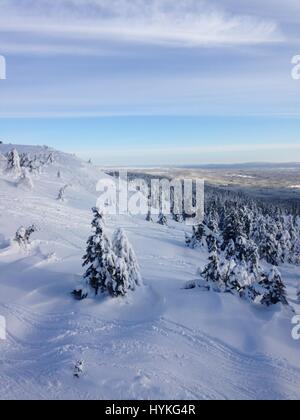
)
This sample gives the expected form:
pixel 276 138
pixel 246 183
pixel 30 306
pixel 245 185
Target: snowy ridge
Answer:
pixel 159 342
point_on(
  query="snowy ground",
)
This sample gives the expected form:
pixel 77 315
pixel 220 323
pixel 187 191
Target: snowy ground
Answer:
pixel 163 342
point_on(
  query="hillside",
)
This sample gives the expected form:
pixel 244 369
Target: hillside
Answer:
pixel 161 342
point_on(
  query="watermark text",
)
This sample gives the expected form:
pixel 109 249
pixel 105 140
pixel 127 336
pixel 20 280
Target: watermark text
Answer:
pixel 296 67
pixel 2 328
pixel 296 329
pixel 155 196
pixel 2 68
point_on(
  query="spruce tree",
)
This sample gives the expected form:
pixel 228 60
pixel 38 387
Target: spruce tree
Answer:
pixel 198 238
pixel 23 235
pixel 212 273
pixel 274 289
pixel 13 163
pixel 212 235
pixel 62 193
pixel 232 230
pixel 162 220
pixel 100 259
pixel 129 269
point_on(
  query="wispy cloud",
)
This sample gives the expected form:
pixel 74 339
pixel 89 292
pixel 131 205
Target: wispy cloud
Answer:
pixel 188 23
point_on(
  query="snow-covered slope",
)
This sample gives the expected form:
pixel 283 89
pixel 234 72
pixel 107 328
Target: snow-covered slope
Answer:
pixel 160 342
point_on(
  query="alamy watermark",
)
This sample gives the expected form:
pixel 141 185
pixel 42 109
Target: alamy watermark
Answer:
pixel 2 68
pixel 296 67
pixel 152 196
pixel 296 329
pixel 2 328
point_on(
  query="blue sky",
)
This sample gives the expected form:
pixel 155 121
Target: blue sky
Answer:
pixel 152 81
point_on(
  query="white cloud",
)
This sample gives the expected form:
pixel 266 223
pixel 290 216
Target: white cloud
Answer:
pixel 160 22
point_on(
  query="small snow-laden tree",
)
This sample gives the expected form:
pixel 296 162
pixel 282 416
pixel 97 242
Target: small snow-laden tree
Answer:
pixel 233 276
pixel 100 259
pixel 212 236
pixel 198 238
pixel 23 235
pixel 58 174
pixel 246 216
pixel 251 292
pixel 233 229
pixel 270 249
pixel 50 159
pixel 24 160
pixel 292 226
pixel 178 218
pixel 212 273
pixel 129 267
pixel 26 180
pixel 162 220
pixel 284 240
pixel 274 290
pixel 252 259
pixel 62 193
pixel 78 369
pixel 13 163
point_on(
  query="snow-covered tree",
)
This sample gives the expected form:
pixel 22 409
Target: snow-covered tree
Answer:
pixel 212 237
pixel 101 274
pixel 78 369
pixel 13 163
pixel 62 193
pixel 198 238
pixel 178 218
pixel 270 249
pixel 274 288
pixel 212 273
pixel 162 220
pixel 50 159
pixel 129 267
pixel 233 229
pixel 23 235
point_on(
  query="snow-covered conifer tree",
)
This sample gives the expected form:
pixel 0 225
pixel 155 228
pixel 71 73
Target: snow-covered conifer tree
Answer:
pixel 274 288
pixel 232 229
pixel 198 238
pixel 62 193
pixel 102 263
pixel 13 163
pixel 162 220
pixel 129 268
pixel 212 273
pixel 178 218
pixel 212 236
pixel 23 235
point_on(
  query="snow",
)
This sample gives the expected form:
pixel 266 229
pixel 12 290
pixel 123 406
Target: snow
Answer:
pixel 160 342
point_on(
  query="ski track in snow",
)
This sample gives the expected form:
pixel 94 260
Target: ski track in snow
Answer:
pixel 45 355
pixel 133 349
